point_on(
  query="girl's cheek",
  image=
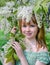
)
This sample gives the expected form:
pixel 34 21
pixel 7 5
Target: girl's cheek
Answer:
pixel 35 30
pixel 23 30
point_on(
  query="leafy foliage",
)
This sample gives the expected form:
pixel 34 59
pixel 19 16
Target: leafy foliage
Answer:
pixel 3 2
pixel 48 40
pixel 11 54
pixel 0 63
pixel 3 39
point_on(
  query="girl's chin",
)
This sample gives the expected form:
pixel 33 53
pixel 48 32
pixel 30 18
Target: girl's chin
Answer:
pixel 29 37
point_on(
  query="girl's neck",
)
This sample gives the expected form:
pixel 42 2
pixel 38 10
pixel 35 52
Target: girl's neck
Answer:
pixel 33 41
pixel 31 45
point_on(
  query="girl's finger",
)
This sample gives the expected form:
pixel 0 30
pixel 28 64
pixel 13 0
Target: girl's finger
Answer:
pixel 14 45
pixel 14 48
pixel 15 28
pixel 17 44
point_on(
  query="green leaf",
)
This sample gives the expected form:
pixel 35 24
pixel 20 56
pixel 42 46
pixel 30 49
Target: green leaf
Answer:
pixel 15 57
pixel 22 46
pixel 3 39
pixel 15 12
pixel 10 48
pixel 0 62
pixel 9 18
pixel 2 49
pixel 45 1
pixel 45 7
pixel 36 8
pixel 9 53
pixel 9 59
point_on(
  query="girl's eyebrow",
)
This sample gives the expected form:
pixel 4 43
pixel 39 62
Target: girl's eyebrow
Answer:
pixel 27 23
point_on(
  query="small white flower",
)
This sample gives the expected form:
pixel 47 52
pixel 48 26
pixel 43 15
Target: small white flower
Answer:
pixel 25 12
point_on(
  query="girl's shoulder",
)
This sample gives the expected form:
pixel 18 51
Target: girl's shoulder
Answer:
pixel 43 49
pixel 43 55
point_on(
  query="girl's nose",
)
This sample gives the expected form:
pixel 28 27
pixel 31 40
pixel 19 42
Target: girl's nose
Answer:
pixel 28 28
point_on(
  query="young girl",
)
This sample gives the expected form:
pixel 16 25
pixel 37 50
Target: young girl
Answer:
pixel 36 52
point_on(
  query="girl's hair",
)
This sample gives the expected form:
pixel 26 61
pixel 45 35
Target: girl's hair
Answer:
pixel 40 37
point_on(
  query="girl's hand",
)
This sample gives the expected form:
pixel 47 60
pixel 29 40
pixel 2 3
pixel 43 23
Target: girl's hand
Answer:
pixel 13 30
pixel 18 49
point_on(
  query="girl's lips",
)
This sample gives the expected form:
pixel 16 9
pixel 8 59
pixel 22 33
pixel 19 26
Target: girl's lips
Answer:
pixel 28 34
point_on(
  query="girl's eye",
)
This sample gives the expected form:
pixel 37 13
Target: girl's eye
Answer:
pixel 24 25
pixel 32 25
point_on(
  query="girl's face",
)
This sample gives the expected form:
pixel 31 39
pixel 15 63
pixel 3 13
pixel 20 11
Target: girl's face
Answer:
pixel 29 29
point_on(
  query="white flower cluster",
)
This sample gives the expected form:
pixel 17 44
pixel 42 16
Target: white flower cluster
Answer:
pixel 25 12
pixel 5 25
pixel 39 20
